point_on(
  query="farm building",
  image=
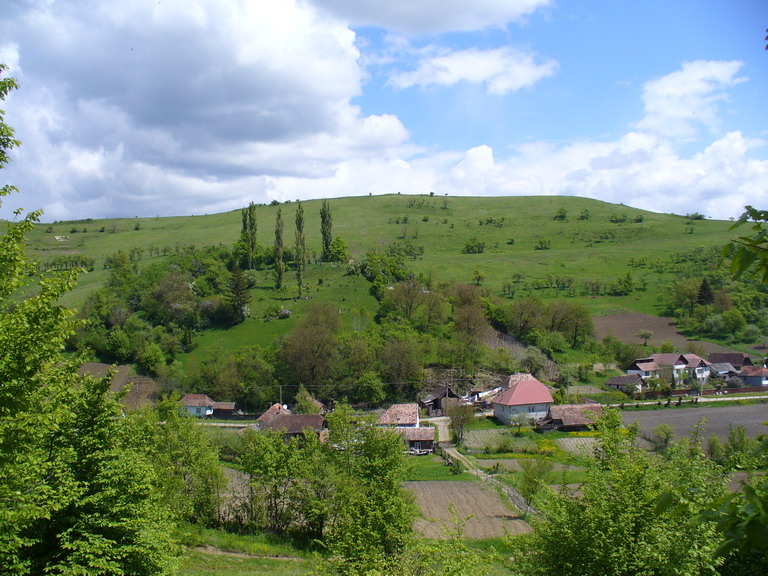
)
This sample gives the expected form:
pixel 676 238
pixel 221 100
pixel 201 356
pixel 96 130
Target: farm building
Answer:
pixel 524 394
pixel 436 401
pixel 571 417
pixel 736 359
pixel 400 415
pixel 202 406
pixel 628 383
pixel 422 438
pixel 754 375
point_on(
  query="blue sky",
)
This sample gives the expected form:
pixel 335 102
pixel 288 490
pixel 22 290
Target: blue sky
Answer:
pixel 176 107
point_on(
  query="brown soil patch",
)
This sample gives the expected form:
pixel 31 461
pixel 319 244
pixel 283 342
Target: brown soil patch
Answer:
pixel 624 327
pixel 487 515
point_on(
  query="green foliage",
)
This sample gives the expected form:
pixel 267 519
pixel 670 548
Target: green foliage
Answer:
pixel 279 262
pixel 749 254
pixel 300 256
pixel 616 525
pixel 76 497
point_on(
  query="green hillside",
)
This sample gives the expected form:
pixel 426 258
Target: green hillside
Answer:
pixel 577 238
pixel 594 247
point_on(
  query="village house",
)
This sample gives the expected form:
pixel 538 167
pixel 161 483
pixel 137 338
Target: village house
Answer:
pixel 295 425
pixel 420 439
pixel 202 406
pixel 628 383
pixel 674 368
pixel 404 419
pixel 271 412
pixel 571 417
pixel 523 394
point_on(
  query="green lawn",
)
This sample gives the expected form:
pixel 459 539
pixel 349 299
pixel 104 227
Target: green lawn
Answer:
pixel 431 467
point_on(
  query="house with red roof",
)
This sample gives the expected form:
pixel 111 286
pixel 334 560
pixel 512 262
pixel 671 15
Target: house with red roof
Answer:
pixel 523 395
pixel 400 415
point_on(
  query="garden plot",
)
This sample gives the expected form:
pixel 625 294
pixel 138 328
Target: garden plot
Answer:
pixel 486 513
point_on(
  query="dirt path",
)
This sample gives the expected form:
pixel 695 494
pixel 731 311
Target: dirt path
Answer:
pixel 214 551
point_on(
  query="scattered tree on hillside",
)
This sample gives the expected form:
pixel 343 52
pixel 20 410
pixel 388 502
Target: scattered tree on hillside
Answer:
pixel 644 335
pixel 300 255
pixel 326 229
pixel 247 242
pixel 279 263
pixel 238 296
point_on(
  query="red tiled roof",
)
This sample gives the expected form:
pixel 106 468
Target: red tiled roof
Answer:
pixel 272 411
pixel 194 400
pixel 754 371
pixel 296 423
pixel 525 390
pixel 400 415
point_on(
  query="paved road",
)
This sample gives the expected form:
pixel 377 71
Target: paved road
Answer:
pixel 719 419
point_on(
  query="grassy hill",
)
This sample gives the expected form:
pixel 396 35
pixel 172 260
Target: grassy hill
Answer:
pixel 592 240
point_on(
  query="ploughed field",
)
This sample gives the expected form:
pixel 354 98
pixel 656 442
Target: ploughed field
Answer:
pixel 719 419
pixel 486 514
pixel 626 325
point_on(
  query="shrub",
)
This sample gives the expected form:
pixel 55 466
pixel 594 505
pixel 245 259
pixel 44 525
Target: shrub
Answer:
pixel 473 246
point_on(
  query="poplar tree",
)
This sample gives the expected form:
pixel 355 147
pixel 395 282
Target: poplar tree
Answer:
pixel 248 235
pixel 279 263
pixel 301 248
pixel 326 229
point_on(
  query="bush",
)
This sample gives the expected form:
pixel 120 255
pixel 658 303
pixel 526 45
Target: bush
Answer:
pixel 473 246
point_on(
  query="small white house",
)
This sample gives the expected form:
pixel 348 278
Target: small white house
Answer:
pixel 524 395
pixel 200 405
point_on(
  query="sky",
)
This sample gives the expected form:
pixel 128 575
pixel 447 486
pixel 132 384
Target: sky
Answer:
pixel 178 107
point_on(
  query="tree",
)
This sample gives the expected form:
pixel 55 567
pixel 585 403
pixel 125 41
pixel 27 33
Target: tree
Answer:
pixel 305 403
pixel 326 229
pixel 74 498
pixel 749 254
pixel 644 335
pixel 461 415
pixel 310 349
pixel 248 235
pixel 238 296
pixel 279 263
pixel 300 255
pixel 519 419
pixel 535 474
pixel 621 498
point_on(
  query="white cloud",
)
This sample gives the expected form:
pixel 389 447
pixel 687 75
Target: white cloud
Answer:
pixel 433 16
pixel 501 70
pixel 677 104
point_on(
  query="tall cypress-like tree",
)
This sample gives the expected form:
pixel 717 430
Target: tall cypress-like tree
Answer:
pixel 248 235
pixel 326 228
pixel 279 263
pixel 238 296
pixel 301 248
